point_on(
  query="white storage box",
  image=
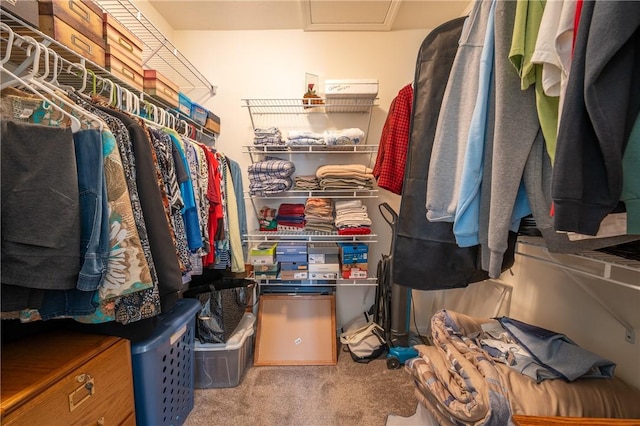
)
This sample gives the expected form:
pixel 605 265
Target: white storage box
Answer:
pixel 221 365
pixel 351 88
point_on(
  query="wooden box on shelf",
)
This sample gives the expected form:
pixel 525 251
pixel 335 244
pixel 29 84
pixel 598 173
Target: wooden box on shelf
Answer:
pixel 67 378
pixel 123 53
pixel 26 10
pixel 76 24
pixel 156 84
pixel 213 122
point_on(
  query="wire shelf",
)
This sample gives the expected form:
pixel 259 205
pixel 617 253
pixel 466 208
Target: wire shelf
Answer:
pixel 310 149
pixel 303 106
pixel 257 235
pixel 158 52
pixel 334 194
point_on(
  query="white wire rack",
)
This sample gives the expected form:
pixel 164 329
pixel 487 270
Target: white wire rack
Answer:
pixel 158 52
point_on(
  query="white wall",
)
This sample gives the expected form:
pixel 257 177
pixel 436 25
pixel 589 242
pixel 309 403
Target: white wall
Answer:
pixel 272 64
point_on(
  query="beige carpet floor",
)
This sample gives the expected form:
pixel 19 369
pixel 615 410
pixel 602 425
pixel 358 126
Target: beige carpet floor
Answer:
pixel 345 394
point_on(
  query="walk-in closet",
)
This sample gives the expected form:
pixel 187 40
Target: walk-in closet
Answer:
pixel 315 212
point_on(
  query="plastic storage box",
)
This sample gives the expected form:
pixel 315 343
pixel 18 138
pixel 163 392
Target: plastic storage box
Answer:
pixel 221 365
pixel 198 113
pixel 163 373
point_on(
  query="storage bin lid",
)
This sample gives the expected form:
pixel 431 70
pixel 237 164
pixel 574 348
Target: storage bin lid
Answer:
pixel 243 330
pixel 171 325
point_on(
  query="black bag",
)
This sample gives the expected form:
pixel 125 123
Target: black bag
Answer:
pixel 221 309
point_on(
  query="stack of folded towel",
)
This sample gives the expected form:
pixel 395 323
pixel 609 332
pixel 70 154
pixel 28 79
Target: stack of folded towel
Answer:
pixel 352 218
pixel 350 136
pixel 306 183
pixel 318 214
pixel 290 217
pixel 345 176
pixel 270 176
pixel 305 138
pixel 267 136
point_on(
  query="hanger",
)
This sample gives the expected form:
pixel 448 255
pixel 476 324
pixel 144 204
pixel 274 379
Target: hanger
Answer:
pixel 75 122
pixel 38 85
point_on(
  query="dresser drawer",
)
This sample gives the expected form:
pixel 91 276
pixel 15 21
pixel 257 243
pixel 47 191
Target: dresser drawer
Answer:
pixel 72 38
pixel 83 15
pixel 88 382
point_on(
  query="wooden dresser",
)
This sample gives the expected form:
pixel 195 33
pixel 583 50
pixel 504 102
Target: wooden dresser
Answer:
pixel 67 378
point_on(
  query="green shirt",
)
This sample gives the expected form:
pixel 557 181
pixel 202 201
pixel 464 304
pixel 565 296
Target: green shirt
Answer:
pixel 523 43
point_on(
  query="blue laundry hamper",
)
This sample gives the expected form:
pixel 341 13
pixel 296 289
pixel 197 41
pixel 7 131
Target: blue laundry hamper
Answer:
pixel 163 368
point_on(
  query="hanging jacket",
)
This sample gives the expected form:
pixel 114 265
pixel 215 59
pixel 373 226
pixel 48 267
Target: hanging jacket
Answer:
pixel 425 254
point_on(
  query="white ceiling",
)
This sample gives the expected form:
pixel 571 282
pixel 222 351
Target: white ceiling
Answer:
pixel 309 15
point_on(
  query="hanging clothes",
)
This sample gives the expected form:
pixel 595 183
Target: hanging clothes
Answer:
pixel 601 105
pixel 392 149
pixel 425 254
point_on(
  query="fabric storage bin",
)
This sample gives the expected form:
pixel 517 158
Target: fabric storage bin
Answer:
pixel 222 365
pixel 163 371
pixel 198 113
pixel 156 84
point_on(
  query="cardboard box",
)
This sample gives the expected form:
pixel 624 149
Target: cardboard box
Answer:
pixel 26 10
pixel 289 258
pixel 319 251
pixel 213 122
pixel 270 273
pixel 294 275
pixel 351 88
pixel 294 266
pixel 263 254
pixel 355 270
pixel 156 84
pixel 325 267
pixel 291 247
pixel 323 275
pixel 353 253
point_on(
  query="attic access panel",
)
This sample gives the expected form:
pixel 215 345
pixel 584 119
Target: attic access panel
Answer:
pixel 349 15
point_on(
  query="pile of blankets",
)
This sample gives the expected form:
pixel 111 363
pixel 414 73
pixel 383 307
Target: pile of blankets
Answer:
pixel 318 213
pixel 290 217
pixel 267 136
pixel 352 218
pixel 270 176
pixel 345 176
pixel 474 375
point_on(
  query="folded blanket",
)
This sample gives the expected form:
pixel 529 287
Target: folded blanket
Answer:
pixel 459 383
pixel 344 204
pixel 272 168
pixel 341 169
pixel 359 230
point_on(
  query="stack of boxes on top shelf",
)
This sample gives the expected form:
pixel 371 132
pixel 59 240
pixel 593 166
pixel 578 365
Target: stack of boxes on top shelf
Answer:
pixel 85 29
pixel 314 261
